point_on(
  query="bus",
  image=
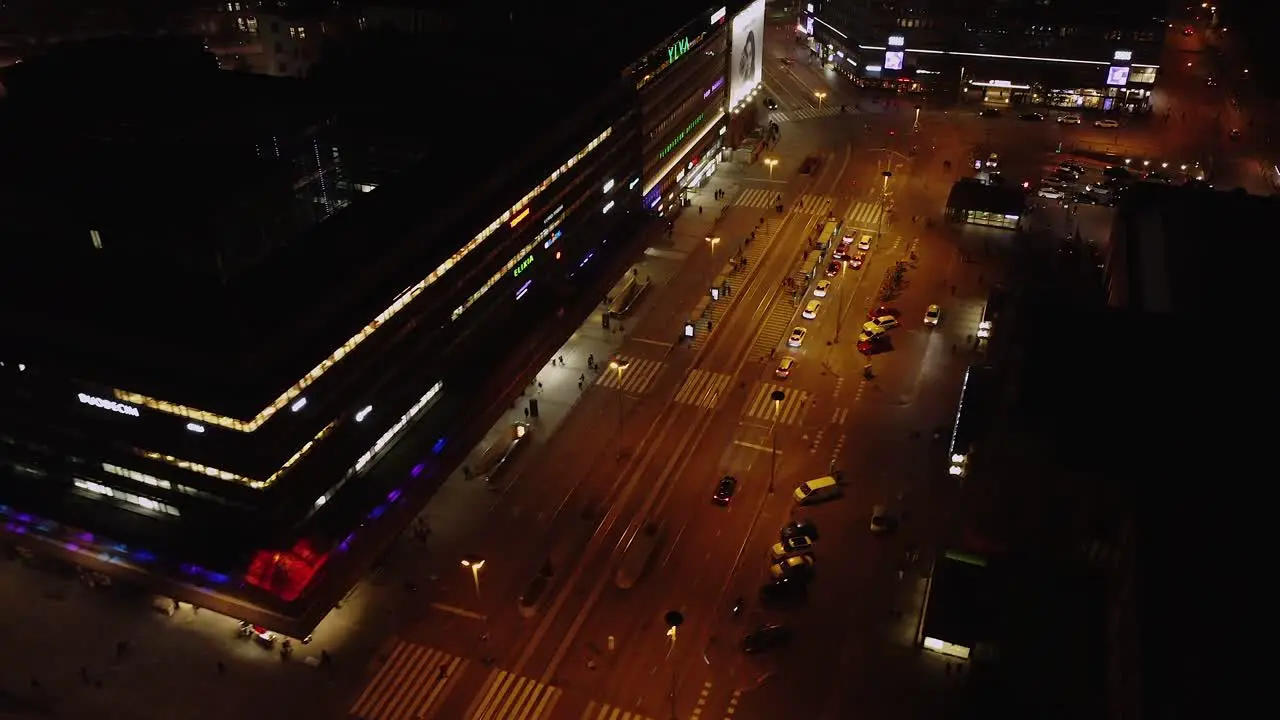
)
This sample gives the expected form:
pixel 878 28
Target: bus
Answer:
pixel 625 294
pixel 973 416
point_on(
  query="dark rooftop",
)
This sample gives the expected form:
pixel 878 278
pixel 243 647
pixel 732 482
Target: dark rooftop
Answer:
pixel 960 605
pixel 164 141
pixel 1168 245
pixel 972 194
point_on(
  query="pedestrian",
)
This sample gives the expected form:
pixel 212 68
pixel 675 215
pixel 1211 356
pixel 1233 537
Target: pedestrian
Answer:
pixel 699 209
pixel 442 672
pixel 582 377
pixel 539 386
pixel 579 384
pixel 526 413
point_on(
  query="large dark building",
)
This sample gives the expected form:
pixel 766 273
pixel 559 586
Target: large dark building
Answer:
pixel 1095 54
pixel 225 298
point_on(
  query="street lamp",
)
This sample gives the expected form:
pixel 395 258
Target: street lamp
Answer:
pixel 884 198
pixel 673 620
pixel 474 563
pixel 777 396
pixel 771 163
pixel 712 241
pixel 840 298
pixel 821 96
pixel 620 365
pixel 916 125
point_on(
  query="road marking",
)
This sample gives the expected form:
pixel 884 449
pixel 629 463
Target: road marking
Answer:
pixel 600 711
pixel 507 696
pixel 636 378
pixel 733 704
pixel 659 343
pixel 814 204
pixel 789 412
pixel 838 417
pixel 857 395
pixel 702 701
pixel 864 213
pixel 457 611
pixel 753 446
pixel 755 197
pixel 412 681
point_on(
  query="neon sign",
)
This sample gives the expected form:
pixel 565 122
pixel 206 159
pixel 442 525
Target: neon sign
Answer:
pixel 522 266
pixel 112 405
pixel 675 52
pixel 681 136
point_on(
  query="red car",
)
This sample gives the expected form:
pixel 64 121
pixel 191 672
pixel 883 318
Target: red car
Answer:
pixel 882 311
pixel 856 261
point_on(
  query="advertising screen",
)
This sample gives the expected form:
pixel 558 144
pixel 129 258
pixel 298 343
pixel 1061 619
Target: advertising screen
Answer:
pixel 748 51
pixel 1118 75
pixel 893 59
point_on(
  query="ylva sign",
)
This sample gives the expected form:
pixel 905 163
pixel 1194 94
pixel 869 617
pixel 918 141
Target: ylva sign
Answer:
pixel 675 52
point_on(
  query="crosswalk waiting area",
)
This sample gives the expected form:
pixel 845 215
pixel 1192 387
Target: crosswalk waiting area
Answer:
pixel 635 377
pixel 703 388
pixel 752 251
pixel 863 214
pixel 790 411
pixel 777 325
pixel 809 204
pixel 812 113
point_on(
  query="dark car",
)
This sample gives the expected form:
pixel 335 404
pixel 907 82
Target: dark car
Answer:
pixel 771 103
pixel 786 592
pixel 990 112
pixel 725 489
pixel 874 345
pixel 1031 116
pixel 883 310
pixel 766 637
pixel 798 528
pixel 833 268
pixel 1073 166
pixel 1235 134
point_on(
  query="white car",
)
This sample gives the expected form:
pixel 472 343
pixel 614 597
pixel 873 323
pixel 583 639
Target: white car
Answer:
pixel 864 242
pixel 811 310
pixel 1069 119
pixel 797 337
pixel 795 565
pixel 1106 124
pixel 1052 193
pixel 932 315
pixel 870 332
pixel 799 545
pixel 884 322
pixel 820 290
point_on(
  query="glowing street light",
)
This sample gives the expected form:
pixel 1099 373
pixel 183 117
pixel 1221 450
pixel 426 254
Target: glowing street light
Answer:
pixel 771 163
pixel 821 96
pixel 474 563
pixel 619 365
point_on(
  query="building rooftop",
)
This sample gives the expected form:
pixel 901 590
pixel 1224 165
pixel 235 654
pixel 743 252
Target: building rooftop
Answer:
pixel 168 143
pixel 960 606
pixel 972 194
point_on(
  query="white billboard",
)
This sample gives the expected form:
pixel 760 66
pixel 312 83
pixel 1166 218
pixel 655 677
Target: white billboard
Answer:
pixel 747 59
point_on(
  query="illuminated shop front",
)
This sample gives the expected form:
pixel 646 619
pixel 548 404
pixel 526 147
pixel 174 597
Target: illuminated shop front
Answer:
pixel 977 203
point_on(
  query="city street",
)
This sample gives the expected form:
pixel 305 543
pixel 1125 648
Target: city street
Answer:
pixel 505 602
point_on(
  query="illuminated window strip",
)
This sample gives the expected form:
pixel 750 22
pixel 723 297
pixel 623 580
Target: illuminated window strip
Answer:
pixel 232 477
pixel 401 301
pixel 995 56
pixel 679 157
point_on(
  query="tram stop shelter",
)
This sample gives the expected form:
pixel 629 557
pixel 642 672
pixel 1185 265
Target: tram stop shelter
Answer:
pixel 992 204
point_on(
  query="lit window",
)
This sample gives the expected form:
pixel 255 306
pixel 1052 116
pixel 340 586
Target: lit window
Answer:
pixel 233 477
pixel 401 301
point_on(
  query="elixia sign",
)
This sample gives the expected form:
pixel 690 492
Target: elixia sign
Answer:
pixel 681 47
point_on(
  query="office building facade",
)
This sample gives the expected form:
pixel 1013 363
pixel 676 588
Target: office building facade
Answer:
pixel 1089 54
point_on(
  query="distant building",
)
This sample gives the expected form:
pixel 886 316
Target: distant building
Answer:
pixel 1095 54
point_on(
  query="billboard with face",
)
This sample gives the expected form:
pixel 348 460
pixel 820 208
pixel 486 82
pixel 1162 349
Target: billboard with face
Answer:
pixel 747 60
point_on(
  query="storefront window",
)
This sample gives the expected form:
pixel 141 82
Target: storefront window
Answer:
pixel 990 219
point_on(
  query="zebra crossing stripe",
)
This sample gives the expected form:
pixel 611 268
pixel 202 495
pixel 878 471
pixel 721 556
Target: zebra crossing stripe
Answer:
pixel 636 378
pixel 507 696
pixel 756 197
pixel 788 412
pixel 600 711
pixel 864 213
pixel 409 684
pixel 703 389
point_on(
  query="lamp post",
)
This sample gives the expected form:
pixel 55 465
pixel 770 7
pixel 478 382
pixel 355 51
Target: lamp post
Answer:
pixel 884 198
pixel 473 563
pixel 771 163
pixel 673 619
pixel 840 298
pixel 777 396
pixel 619 365
pixel 916 126
pixel 821 96
pixel 713 241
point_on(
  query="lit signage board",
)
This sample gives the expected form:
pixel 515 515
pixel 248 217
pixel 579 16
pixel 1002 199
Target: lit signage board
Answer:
pixel 714 87
pixel 718 16
pixel 1122 56
pixel 1118 75
pixel 522 266
pixel 747 62
pixel 524 289
pixel 677 51
pixel 897 41
pixel 517 219
pixel 112 405
pixel 893 59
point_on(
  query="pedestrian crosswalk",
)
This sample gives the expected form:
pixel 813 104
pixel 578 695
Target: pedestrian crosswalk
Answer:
pixel 506 696
pixel 776 326
pixel 814 204
pixel 703 388
pixel 600 711
pixel 863 214
pixel 636 376
pixel 812 113
pixel 789 411
pixel 762 198
pixel 410 684
pixel 757 197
